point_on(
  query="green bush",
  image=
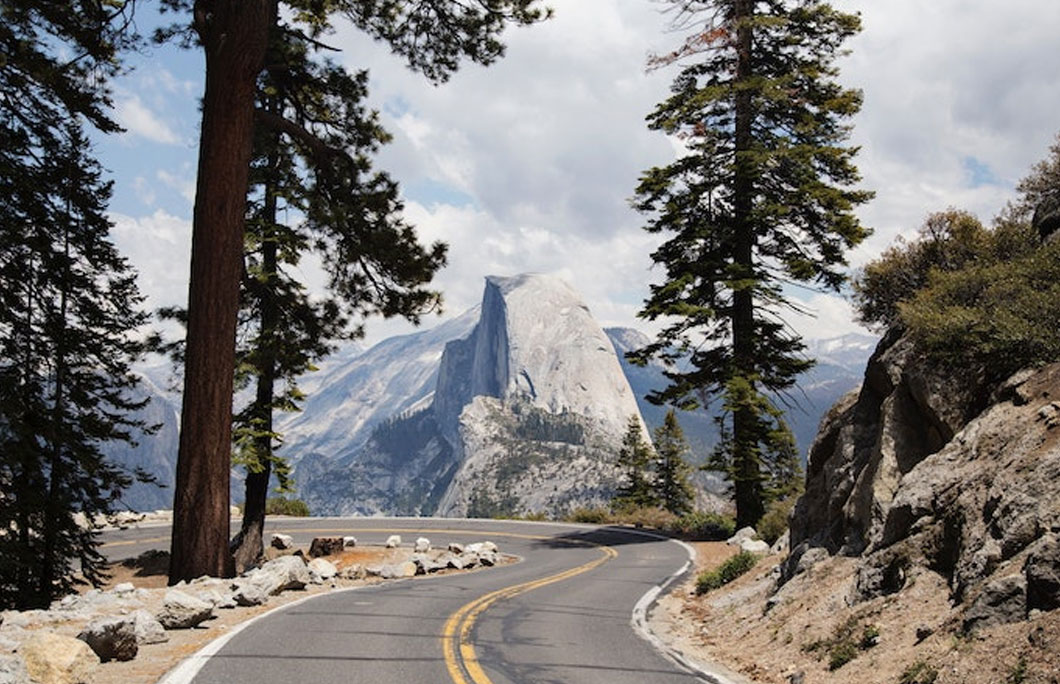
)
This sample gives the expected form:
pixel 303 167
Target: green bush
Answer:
pixel 705 526
pixel 282 506
pixel 841 653
pixel 919 673
pixel 726 572
pixel 999 317
pixel 974 298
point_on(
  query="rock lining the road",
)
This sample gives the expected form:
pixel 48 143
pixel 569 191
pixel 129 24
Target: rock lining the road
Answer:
pixel 114 625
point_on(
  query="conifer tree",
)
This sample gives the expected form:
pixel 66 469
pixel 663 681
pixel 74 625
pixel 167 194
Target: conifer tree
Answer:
pixel 349 217
pixel 432 36
pixel 635 459
pixel 761 197
pixel 69 316
pixel 672 488
pixel 68 301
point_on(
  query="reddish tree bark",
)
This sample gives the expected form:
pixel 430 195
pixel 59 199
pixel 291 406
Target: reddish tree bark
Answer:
pixel 234 35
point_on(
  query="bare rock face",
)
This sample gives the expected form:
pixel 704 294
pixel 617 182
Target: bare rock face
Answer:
pixel 927 472
pixel 904 411
pixel 54 659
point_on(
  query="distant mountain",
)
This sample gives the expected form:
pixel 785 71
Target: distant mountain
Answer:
pixel 527 413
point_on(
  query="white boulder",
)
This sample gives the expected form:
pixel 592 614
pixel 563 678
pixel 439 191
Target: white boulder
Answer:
pixel 182 611
pixel 741 534
pixel 54 659
pixel 148 629
pixel 393 541
pixel 283 542
pixel 324 569
pixel 755 546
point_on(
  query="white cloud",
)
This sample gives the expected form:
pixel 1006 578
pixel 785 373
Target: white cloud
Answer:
pixel 159 245
pixel 548 143
pixel 139 120
pixel 183 184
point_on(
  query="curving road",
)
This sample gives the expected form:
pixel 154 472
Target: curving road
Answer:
pixel 561 615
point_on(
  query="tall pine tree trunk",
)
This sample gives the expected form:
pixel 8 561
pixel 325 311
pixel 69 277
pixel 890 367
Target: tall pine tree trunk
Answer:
pixel 53 506
pixel 234 35
pixel 248 546
pixel 745 459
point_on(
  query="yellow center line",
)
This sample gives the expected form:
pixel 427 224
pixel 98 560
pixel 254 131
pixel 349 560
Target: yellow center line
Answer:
pixel 458 627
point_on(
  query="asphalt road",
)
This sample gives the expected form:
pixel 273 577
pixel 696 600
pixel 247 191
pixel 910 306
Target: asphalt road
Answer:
pixel 563 614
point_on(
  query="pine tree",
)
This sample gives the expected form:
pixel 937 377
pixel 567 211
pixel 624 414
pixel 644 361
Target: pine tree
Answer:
pixel 69 318
pixel 68 301
pixel 635 459
pixel 672 488
pixel 432 36
pixel 761 198
pixel 351 221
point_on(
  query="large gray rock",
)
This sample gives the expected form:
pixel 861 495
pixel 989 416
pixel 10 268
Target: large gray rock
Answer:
pixel 281 574
pixel 112 638
pixel 183 611
pixel 54 659
pixel 1001 601
pixel 905 411
pixel 148 629
pixel 1042 571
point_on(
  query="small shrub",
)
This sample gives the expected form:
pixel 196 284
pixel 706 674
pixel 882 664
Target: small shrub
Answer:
pixel 841 653
pixel 705 526
pixel 870 636
pixel 279 505
pixel 919 673
pixel 583 514
pixel 845 644
pixel 726 572
pixel 1019 672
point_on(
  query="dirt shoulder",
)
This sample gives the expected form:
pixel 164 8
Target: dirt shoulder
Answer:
pixel 800 633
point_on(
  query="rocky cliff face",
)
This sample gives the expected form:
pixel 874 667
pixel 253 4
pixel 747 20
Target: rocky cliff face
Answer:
pixel 526 414
pixel 534 401
pixel 927 471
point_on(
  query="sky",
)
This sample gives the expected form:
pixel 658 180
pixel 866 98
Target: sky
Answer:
pixel 529 164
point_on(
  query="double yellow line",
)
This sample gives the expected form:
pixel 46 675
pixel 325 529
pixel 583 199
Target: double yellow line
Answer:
pixel 457 648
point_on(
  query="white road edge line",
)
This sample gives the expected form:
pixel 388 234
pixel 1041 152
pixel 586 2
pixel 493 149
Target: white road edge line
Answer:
pixel 639 621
